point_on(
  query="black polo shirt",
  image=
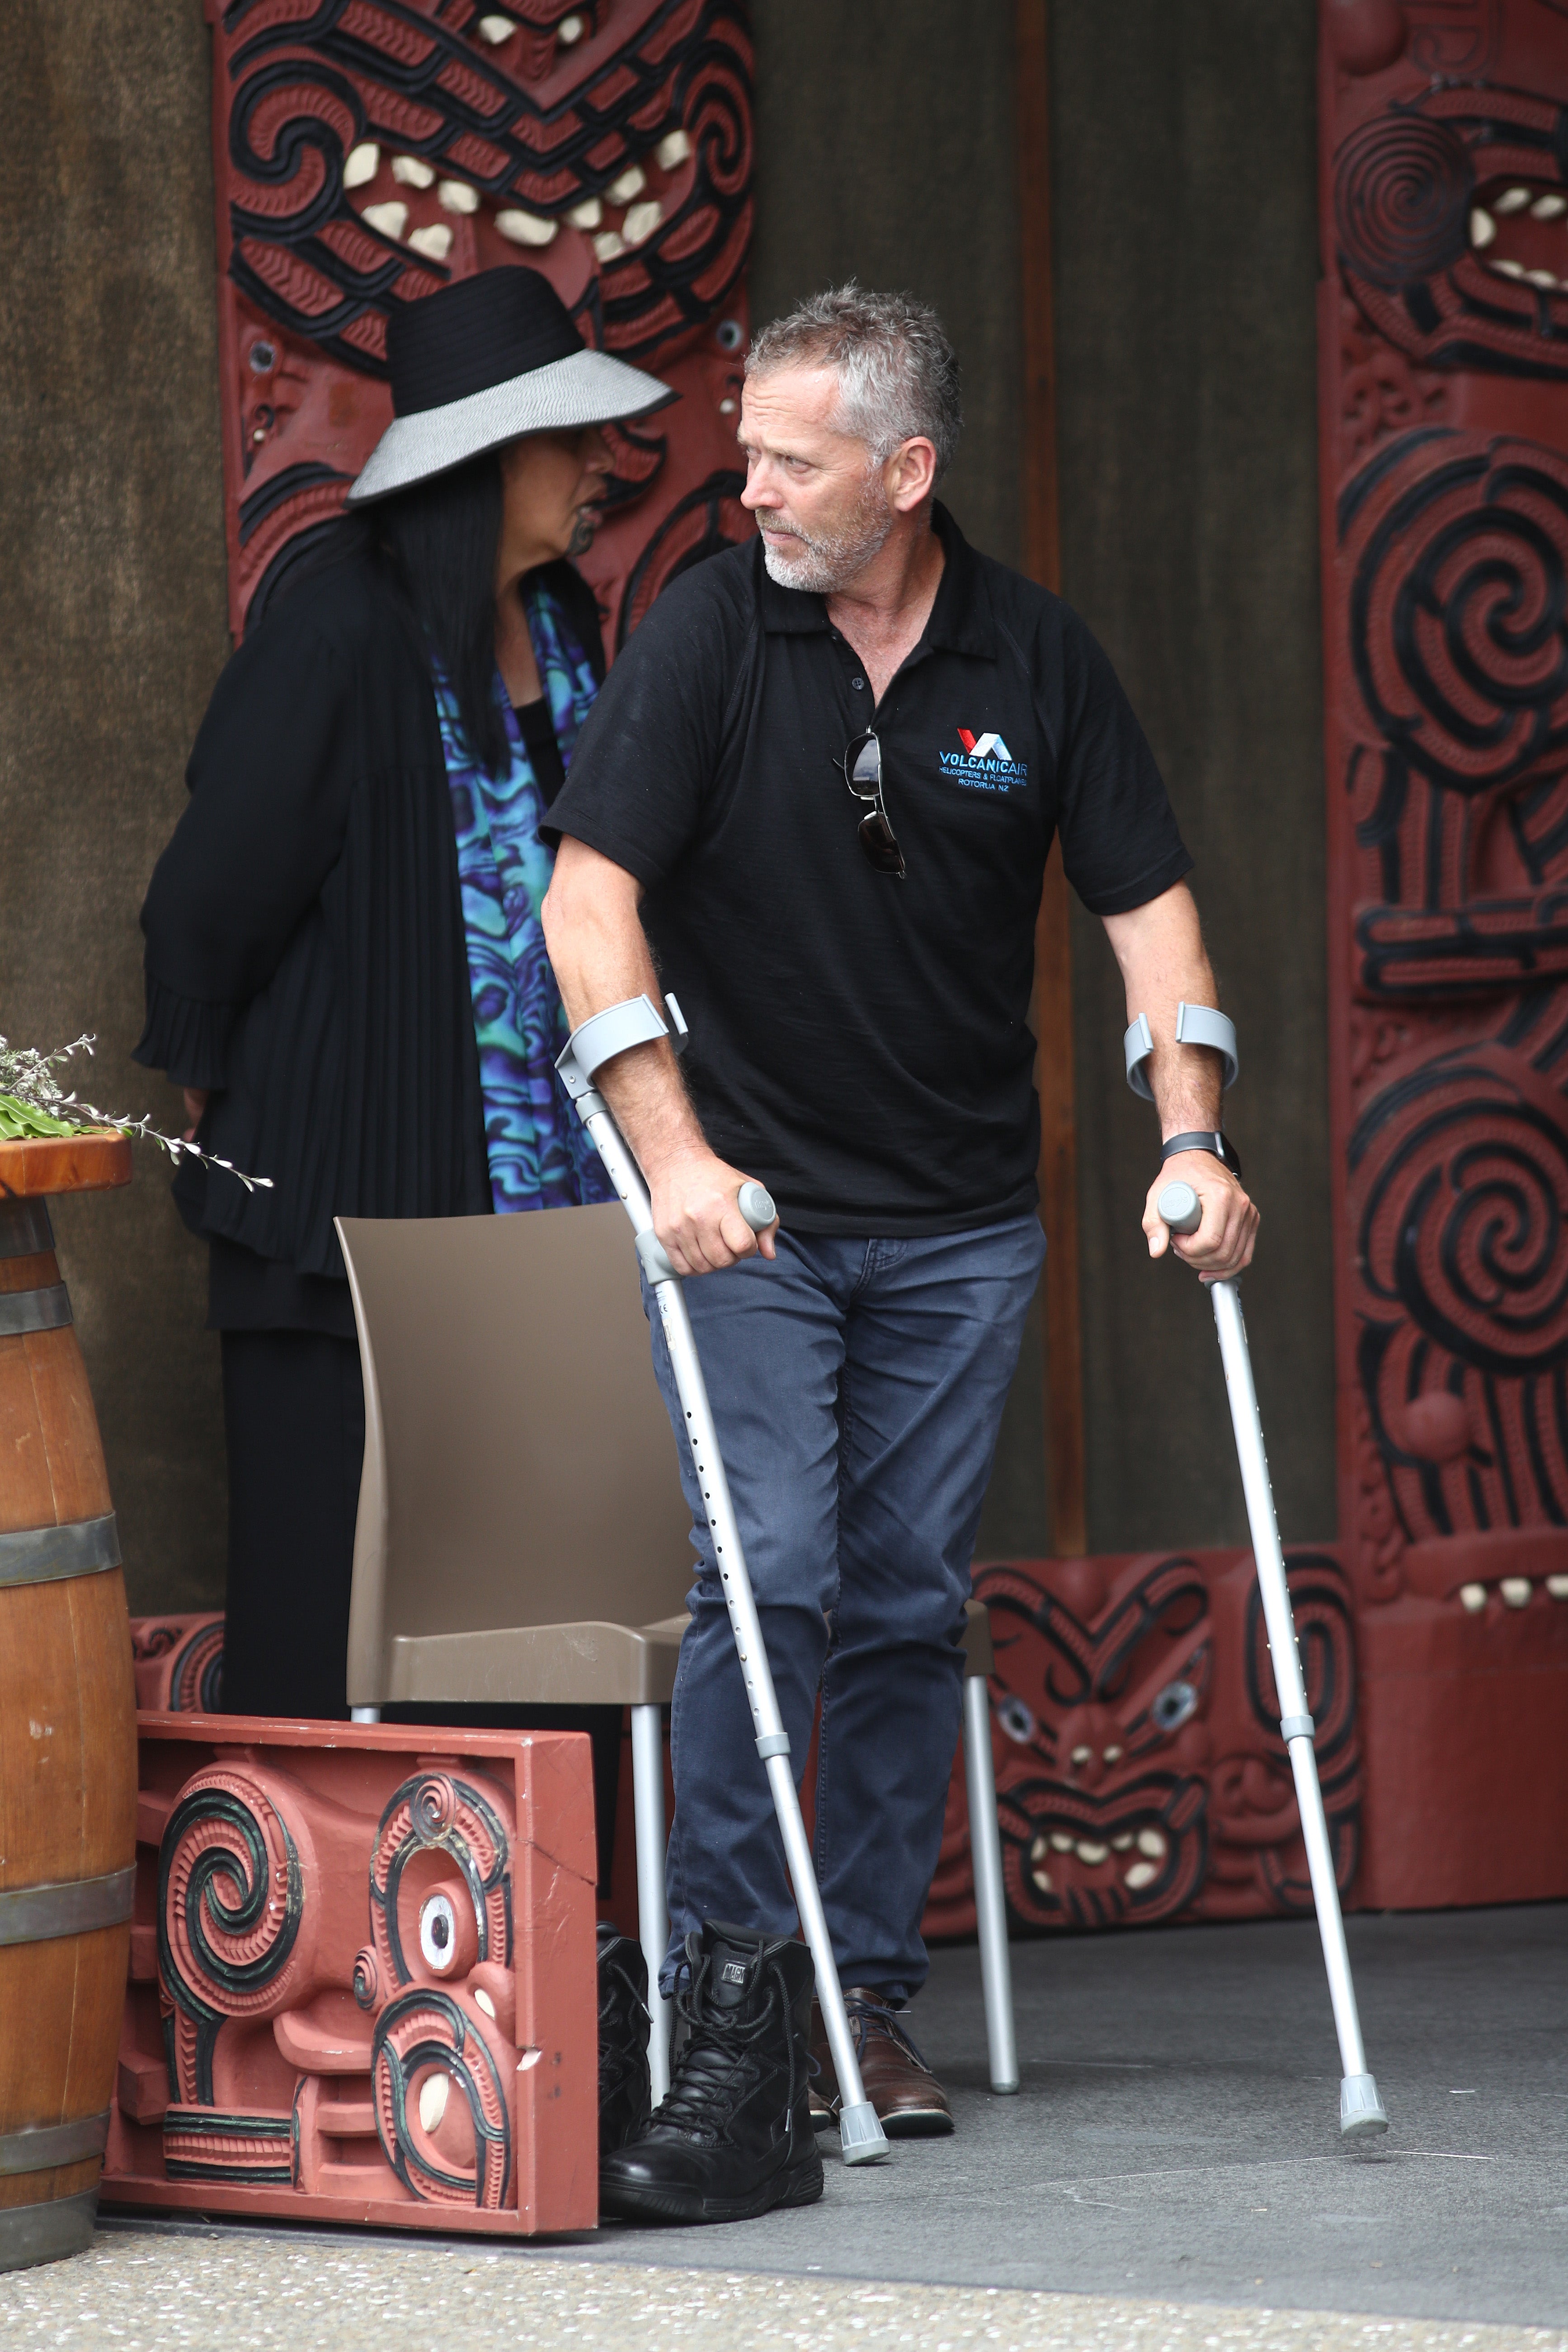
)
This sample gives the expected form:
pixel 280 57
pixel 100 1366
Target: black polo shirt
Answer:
pixel 860 1043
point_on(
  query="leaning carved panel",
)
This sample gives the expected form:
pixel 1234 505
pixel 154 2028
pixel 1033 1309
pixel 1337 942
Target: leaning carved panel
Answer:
pixel 362 1977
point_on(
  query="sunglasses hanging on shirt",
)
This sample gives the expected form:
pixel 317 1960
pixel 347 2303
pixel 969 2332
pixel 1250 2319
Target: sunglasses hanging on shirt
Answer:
pixel 862 765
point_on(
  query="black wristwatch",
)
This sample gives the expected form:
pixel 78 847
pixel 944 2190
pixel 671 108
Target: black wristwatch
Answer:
pixel 1210 1139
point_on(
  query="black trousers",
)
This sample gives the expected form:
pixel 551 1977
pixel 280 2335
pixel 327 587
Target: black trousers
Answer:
pixel 293 1408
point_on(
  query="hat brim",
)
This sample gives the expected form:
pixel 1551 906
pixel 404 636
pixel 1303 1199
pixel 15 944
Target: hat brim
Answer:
pixel 587 388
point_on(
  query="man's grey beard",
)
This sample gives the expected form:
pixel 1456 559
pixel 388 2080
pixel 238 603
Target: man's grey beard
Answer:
pixel 823 566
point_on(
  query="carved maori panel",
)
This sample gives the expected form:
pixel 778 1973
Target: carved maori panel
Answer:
pixel 1443 128
pixel 1141 1776
pixel 363 1977
pixel 367 151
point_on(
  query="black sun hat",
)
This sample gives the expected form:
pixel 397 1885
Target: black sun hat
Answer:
pixel 483 362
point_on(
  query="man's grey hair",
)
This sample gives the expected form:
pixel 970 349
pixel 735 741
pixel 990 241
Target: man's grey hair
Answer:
pixel 898 373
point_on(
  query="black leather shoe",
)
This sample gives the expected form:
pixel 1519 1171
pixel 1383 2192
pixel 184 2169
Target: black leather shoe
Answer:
pixel 734 2136
pixel 625 2093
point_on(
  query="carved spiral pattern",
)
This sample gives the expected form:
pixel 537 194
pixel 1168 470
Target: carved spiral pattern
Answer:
pixel 1459 609
pixel 423 2032
pixel 1402 199
pixel 1462 1178
pixel 230 1904
pixel 438 1812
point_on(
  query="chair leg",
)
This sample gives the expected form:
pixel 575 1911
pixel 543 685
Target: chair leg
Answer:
pixel 653 1918
pixel 364 1714
pixel 991 1911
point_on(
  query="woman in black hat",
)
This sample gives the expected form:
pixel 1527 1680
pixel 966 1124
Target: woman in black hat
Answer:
pixel 344 967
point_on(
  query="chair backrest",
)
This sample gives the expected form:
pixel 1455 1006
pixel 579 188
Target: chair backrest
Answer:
pixel 520 1468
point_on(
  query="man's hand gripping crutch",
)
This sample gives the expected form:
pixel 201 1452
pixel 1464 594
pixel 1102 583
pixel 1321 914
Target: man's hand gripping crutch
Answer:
pixel 1198 1208
pixel 748 1214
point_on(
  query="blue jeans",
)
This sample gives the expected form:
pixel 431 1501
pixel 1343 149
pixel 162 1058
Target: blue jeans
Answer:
pixel 858 1387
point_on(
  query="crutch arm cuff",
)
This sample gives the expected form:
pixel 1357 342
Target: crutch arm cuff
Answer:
pixel 598 1040
pixel 1196 1025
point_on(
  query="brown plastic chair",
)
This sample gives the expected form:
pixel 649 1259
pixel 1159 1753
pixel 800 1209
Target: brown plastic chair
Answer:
pixel 523 1538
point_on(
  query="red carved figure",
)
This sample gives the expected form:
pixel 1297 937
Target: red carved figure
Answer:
pixel 367 151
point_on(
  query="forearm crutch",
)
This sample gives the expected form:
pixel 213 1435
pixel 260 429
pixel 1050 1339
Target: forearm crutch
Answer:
pixel 1361 2109
pixel 589 1046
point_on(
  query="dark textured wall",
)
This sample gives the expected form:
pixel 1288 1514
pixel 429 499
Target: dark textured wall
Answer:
pixel 1184 162
pixel 1183 165
pixel 111 633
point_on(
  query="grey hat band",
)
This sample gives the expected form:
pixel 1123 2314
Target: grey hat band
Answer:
pixel 587 388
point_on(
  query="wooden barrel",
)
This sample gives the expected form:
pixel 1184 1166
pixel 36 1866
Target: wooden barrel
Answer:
pixel 68 1730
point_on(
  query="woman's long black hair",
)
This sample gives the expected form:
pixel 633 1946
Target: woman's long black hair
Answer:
pixel 437 542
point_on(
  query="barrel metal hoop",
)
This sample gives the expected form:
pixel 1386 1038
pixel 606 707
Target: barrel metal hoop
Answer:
pixel 45 1310
pixel 44 2232
pixel 71 1906
pixel 43 1555
pixel 25 1228
pixel 35 2150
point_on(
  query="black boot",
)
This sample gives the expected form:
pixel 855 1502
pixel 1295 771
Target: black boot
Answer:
pixel 734 2136
pixel 623 2090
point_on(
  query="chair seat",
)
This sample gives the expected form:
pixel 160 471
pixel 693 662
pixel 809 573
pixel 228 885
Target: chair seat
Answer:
pixel 588 1664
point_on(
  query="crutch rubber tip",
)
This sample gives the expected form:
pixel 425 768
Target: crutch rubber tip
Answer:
pixel 860 2136
pixel 1361 2112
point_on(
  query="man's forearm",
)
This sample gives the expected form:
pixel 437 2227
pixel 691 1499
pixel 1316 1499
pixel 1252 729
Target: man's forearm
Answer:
pixel 1160 949
pixel 600 956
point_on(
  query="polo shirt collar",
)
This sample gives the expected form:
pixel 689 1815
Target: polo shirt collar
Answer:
pixel 962 619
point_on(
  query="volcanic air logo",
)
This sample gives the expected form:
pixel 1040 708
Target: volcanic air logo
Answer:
pixel 985 764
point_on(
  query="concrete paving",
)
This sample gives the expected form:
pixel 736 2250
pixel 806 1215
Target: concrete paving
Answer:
pixel 1172 2156
pixel 248 2291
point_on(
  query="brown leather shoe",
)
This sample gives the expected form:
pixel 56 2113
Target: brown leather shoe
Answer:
pixel 911 2103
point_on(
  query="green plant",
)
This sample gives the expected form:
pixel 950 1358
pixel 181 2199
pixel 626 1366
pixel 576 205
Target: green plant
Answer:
pixel 35 1106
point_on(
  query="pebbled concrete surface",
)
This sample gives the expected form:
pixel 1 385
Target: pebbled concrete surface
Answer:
pixel 1175 2144
pixel 251 2291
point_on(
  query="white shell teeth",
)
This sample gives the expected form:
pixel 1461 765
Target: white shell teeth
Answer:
pixel 1558 1587
pixel 641 221
pixel 672 150
pixel 609 246
pixel 412 171
pixel 1081 1755
pixel 525 228
pixel 482 2001
pixel 631 183
pixel 1513 200
pixel 1510 269
pixel 1039 1853
pixel 1473 1597
pixel 1061 1841
pixel 587 214
pixel 571 29
pixel 1143 1873
pixel 1549 208
pixel 1541 278
pixel 1483 229
pixel 457 196
pixel 1089 1850
pixel 433 2093
pixel 495 30
pixel 390 219
pixel 361 163
pixel 1515 1592
pixel 1122 1844
pixel 434 242
pixel 1153 1844
pixel 1111 1755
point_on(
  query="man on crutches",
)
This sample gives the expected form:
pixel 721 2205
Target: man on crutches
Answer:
pixel 814 804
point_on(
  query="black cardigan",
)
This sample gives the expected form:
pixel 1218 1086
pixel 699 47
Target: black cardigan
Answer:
pixel 305 950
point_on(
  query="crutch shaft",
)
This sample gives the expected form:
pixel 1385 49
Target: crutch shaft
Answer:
pixel 862 2136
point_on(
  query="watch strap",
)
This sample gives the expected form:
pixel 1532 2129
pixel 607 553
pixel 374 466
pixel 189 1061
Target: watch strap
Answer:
pixel 1210 1139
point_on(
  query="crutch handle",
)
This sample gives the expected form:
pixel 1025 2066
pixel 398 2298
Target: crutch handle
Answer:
pixel 755 1203
pixel 1181 1208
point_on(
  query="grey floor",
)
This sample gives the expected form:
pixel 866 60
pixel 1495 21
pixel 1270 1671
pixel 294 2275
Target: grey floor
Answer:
pixel 1175 2138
